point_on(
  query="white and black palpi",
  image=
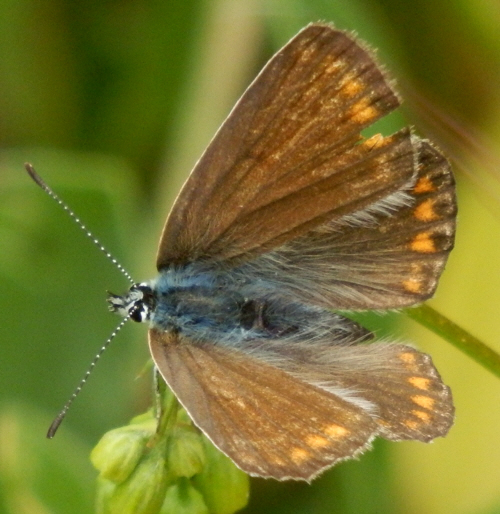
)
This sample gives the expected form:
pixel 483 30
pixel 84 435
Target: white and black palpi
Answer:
pixel 288 216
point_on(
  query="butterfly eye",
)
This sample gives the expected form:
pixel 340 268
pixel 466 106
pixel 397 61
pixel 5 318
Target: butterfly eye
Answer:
pixel 139 313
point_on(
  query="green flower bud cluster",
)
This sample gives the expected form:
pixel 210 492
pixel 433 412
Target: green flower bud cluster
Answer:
pixel 165 468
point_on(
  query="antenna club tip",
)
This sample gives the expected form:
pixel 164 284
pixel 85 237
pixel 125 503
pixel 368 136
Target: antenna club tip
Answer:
pixel 51 432
pixel 34 175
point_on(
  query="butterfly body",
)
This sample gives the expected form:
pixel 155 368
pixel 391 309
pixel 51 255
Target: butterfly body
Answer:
pixel 230 306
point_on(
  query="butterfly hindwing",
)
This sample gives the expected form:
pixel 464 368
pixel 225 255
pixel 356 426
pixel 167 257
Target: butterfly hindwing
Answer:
pixel 398 386
pixel 287 411
pixel 388 257
pixel 268 422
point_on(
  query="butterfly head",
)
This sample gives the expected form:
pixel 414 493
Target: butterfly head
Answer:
pixel 137 303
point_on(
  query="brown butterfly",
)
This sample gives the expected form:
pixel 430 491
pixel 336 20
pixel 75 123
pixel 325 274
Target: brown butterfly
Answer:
pixel 288 215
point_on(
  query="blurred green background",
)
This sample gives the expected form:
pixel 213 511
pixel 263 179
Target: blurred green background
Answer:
pixel 113 102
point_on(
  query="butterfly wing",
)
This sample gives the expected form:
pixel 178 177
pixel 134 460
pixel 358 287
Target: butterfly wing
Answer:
pixel 398 386
pixel 299 422
pixel 289 157
pixel 389 256
pixel 268 422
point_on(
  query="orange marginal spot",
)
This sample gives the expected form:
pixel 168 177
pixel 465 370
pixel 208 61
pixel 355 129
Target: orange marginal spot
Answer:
pixel 411 424
pixel 335 431
pixel 363 112
pixel 424 416
pixel 412 285
pixel 316 441
pixel 424 185
pixel 423 243
pixel 351 87
pixel 420 383
pixel 407 357
pixel 423 401
pixel 424 211
pixel 299 455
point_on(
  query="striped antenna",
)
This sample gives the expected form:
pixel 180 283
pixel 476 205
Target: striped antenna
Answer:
pixel 58 419
pixel 39 181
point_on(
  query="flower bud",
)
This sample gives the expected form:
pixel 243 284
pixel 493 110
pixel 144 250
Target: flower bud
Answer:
pixel 186 452
pixel 225 488
pixel 144 490
pixel 183 498
pixel 119 451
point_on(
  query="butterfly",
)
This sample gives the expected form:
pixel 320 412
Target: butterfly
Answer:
pixel 290 216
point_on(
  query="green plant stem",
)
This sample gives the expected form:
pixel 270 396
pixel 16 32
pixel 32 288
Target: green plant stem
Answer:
pixel 168 408
pixel 461 339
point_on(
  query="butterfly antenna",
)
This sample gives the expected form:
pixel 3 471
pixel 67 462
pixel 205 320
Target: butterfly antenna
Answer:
pixel 58 419
pixel 38 180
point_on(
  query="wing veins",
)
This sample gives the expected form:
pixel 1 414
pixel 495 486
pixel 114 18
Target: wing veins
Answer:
pixel 305 129
pixel 265 132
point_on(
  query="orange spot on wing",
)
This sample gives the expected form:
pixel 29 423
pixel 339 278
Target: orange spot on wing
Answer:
pixel 299 455
pixel 377 141
pixel 420 383
pixel 407 357
pixel 335 431
pixel 423 401
pixel 413 285
pixel 316 441
pixel 411 424
pixel 424 211
pixel 423 416
pixel 424 185
pixel 352 87
pixel 423 243
pixel 363 112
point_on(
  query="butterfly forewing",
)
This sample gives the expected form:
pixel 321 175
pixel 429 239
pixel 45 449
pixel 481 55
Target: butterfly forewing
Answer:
pixel 268 422
pixel 288 153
